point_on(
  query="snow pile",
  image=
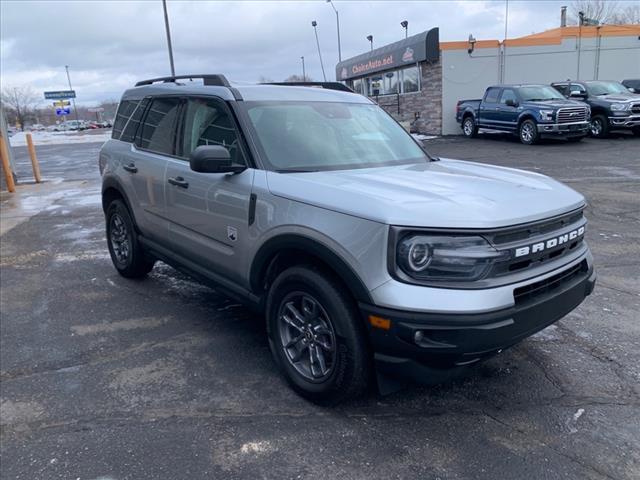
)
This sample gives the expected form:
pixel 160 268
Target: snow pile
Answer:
pixel 420 137
pixel 55 138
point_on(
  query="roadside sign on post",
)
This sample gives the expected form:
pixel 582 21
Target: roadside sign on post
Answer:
pixel 63 111
pixel 62 103
pixel 60 95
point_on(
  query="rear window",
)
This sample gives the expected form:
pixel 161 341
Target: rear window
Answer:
pixel 131 127
pixel 125 110
pixel 492 95
pixel 158 129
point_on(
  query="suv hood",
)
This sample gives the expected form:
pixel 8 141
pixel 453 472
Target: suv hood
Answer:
pixel 619 97
pixel 443 194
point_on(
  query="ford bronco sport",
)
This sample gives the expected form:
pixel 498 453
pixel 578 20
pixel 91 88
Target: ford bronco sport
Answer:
pixel 369 258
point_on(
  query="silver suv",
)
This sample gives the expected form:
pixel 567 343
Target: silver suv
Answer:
pixel 370 259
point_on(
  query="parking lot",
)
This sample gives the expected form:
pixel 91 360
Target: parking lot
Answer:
pixel 108 378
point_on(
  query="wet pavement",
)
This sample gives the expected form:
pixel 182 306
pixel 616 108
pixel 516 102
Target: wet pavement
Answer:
pixel 107 378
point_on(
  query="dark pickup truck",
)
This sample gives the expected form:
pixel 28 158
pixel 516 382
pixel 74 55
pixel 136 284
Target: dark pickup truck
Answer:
pixel 613 105
pixel 530 111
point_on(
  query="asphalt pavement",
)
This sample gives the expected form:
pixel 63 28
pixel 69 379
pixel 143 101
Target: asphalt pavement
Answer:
pixel 107 378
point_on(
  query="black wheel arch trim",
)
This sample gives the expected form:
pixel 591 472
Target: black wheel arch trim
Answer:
pixel 270 249
pixel 110 183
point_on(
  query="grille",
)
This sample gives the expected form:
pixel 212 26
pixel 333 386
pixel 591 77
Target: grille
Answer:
pixel 548 285
pixel 635 108
pixel 572 114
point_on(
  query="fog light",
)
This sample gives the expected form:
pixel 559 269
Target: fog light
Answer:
pixel 418 336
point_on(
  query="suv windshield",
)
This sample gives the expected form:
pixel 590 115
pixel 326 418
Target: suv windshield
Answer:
pixel 605 88
pixel 312 136
pixel 539 93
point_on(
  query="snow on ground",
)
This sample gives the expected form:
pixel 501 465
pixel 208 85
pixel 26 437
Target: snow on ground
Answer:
pixel 420 137
pixel 55 138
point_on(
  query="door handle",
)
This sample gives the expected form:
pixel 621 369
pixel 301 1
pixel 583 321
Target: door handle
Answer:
pixel 130 168
pixel 178 182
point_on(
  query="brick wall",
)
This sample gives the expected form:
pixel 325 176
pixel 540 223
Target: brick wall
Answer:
pixel 427 102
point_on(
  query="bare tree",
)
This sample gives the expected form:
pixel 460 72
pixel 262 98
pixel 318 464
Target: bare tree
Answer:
pixel 601 11
pixel 263 79
pixel 20 103
pixel 625 16
pixel 298 78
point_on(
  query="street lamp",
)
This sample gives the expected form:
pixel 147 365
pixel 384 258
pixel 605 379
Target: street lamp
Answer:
pixel 405 25
pixel 314 24
pixel 338 28
pixel 370 38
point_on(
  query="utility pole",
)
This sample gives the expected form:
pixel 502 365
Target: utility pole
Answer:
pixel 314 24
pixel 504 43
pixel 304 74
pixel 73 100
pixel 338 28
pixel 166 26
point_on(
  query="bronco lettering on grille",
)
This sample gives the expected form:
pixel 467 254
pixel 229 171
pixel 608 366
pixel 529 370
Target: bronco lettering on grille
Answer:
pixel 549 243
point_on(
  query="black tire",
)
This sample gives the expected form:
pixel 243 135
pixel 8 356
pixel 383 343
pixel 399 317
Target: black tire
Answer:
pixel 599 126
pixel 338 326
pixel 574 139
pixel 126 252
pixel 528 132
pixel 636 131
pixel 469 127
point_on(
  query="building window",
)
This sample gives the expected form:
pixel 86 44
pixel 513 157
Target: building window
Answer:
pixel 357 85
pixel 410 80
pixel 391 82
pixel 374 86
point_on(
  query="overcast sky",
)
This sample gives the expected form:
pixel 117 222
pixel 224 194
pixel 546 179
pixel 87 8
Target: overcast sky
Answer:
pixel 111 44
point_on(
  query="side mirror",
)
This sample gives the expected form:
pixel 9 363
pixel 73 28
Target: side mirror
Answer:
pixel 576 94
pixel 632 90
pixel 510 102
pixel 213 159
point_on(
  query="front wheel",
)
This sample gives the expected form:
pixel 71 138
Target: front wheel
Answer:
pixel 126 252
pixel 528 132
pixel 599 126
pixel 469 127
pixel 316 336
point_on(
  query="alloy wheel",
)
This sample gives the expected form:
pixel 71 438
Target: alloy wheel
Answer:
pixel 119 238
pixel 526 132
pixel 596 127
pixel 468 127
pixel 307 336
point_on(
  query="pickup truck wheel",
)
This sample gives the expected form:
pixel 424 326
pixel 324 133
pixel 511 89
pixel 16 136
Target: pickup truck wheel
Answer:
pixel 125 250
pixel 599 126
pixel 528 132
pixel 316 336
pixel 469 127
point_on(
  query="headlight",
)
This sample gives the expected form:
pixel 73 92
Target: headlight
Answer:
pixel 444 258
pixel 616 107
pixel 546 114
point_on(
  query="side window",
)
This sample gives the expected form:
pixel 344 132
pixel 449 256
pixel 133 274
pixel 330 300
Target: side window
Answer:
pixel 508 94
pixel 208 122
pixel 492 95
pixel 158 128
pixel 131 127
pixel 125 109
pixel 563 89
pixel 578 88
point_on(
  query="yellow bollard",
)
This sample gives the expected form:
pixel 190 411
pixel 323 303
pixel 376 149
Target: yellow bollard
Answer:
pixel 6 166
pixel 34 159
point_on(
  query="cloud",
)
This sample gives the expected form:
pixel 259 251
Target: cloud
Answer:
pixel 110 44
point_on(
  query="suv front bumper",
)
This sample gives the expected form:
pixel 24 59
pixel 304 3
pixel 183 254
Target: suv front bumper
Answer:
pixel 563 129
pixel 451 340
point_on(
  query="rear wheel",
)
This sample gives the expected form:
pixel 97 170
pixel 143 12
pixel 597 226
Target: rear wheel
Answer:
pixel 599 126
pixel 528 132
pixel 125 249
pixel 316 336
pixel 469 127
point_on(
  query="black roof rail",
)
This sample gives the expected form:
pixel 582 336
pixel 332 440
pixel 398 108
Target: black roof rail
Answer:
pixel 328 85
pixel 214 79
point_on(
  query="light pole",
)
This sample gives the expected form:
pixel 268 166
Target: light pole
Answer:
pixel 338 28
pixel 504 45
pixel 166 26
pixel 405 25
pixel 370 38
pixel 304 74
pixel 314 24
pixel 73 100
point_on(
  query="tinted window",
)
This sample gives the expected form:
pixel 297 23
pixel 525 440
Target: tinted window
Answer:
pixel 208 122
pixel 508 94
pixel 131 127
pixel 125 109
pixel 492 95
pixel 410 80
pixel 563 89
pixel 577 88
pixel 158 129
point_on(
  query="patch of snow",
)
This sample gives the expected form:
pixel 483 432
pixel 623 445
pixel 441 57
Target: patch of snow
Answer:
pixel 255 447
pixel 57 138
pixel 548 334
pixel 420 137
